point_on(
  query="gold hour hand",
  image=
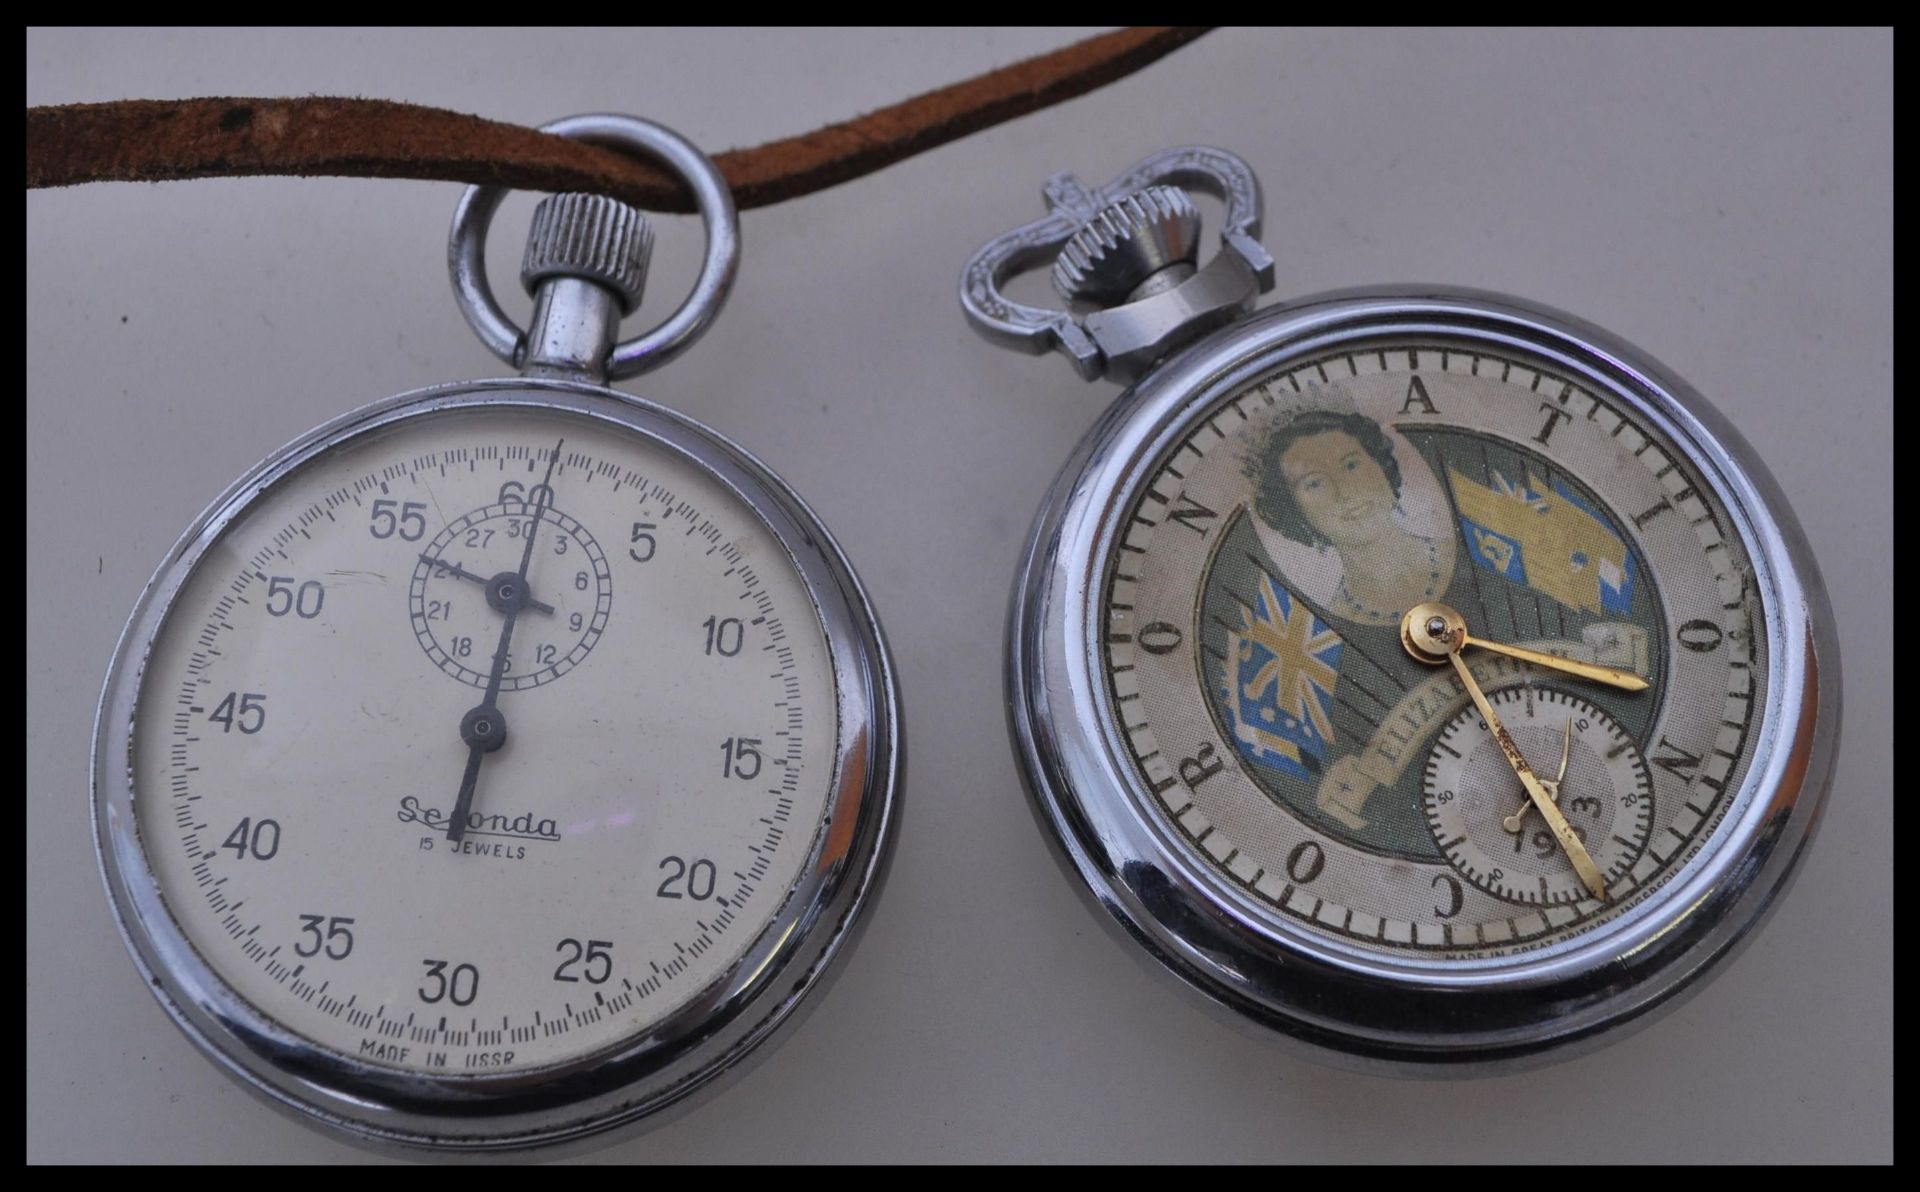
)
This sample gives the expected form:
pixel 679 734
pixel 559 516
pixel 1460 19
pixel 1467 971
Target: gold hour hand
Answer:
pixel 1435 633
pixel 1611 675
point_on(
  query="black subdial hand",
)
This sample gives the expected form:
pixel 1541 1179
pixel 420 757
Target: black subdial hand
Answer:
pixel 498 594
pixel 483 728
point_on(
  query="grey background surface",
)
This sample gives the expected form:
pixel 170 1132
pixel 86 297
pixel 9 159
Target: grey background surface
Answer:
pixel 1723 199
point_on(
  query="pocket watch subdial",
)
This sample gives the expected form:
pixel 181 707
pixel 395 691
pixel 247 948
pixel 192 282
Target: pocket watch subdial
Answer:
pixel 468 576
pixel 1488 828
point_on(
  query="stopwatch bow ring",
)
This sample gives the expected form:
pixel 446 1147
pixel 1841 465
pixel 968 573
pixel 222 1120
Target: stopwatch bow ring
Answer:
pixel 586 263
pixel 1128 249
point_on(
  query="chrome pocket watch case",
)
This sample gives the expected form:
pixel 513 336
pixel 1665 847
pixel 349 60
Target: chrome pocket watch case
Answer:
pixel 1326 595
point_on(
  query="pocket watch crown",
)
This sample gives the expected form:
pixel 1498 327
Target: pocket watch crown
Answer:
pixel 589 236
pixel 1131 248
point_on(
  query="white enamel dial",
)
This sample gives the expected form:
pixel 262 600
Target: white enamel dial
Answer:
pixel 667 705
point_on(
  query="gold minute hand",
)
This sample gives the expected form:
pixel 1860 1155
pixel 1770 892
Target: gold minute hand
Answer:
pixel 1433 633
pixel 1549 810
pixel 1612 676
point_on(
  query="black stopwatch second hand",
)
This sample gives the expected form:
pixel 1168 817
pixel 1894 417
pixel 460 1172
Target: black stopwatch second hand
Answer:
pixel 459 572
pixel 483 728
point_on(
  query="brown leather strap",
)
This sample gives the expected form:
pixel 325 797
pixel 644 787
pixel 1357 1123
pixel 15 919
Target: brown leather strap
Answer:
pixel 162 140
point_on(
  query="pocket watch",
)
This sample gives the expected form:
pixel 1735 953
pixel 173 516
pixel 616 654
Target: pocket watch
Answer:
pixel 501 763
pixel 1422 674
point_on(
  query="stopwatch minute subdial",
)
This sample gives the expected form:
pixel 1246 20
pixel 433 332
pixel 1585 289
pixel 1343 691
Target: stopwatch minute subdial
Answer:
pixel 502 589
pixel 1604 790
pixel 469 577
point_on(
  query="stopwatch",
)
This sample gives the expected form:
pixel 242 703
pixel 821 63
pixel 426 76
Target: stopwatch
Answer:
pixel 1420 674
pixel 501 763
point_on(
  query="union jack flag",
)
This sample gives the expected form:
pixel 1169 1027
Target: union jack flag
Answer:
pixel 1278 682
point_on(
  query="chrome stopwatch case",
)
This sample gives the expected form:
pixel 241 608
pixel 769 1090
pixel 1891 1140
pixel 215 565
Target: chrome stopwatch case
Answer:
pixel 1422 674
pixel 501 763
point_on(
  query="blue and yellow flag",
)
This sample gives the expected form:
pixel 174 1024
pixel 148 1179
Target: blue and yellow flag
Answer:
pixel 1549 541
pixel 1278 683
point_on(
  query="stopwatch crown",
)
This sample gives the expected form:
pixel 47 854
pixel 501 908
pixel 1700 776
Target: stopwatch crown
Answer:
pixel 593 237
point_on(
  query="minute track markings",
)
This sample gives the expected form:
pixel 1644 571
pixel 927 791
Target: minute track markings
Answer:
pixel 396 478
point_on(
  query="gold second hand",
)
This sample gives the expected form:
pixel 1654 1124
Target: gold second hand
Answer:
pixel 1513 822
